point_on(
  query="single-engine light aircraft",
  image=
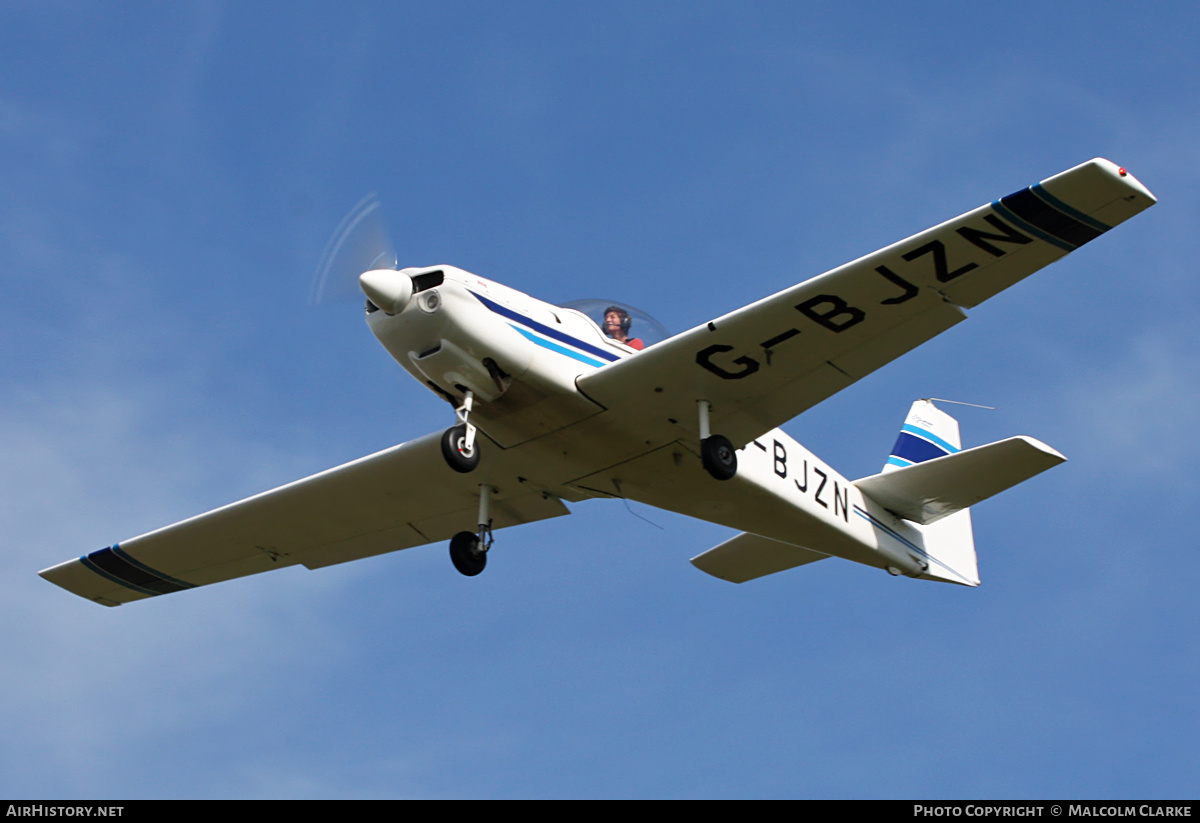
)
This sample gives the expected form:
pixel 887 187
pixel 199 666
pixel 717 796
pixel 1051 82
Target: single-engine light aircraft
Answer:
pixel 551 405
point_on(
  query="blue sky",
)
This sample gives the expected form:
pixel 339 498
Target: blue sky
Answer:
pixel 169 174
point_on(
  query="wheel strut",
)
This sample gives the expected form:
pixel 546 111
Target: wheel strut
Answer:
pixel 485 517
pixel 468 552
pixel 463 413
pixel 458 442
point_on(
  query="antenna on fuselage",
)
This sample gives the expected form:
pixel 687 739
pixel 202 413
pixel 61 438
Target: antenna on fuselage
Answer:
pixel 959 403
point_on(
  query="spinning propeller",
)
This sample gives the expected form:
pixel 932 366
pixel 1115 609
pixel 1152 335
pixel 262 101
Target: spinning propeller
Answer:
pixel 360 255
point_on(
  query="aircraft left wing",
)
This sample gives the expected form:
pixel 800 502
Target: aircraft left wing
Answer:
pixel 766 363
pixel 398 498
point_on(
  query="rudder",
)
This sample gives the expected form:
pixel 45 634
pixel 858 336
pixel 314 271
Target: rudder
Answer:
pixel 949 544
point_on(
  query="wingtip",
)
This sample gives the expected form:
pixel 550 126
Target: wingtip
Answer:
pixel 74 577
pixel 1123 176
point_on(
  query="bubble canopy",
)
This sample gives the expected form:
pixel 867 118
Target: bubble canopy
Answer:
pixel 642 326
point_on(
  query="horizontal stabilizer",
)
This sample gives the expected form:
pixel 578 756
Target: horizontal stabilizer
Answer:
pixel 748 556
pixel 926 492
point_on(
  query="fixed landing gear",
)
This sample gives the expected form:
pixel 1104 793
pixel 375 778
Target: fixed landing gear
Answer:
pixel 717 454
pixel 458 443
pixel 468 551
pixel 466 554
pixel 461 454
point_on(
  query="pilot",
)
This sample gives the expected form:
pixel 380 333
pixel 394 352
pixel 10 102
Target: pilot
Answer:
pixel 616 325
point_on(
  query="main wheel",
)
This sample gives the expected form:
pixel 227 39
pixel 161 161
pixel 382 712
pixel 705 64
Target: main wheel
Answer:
pixel 457 457
pixel 718 456
pixel 466 555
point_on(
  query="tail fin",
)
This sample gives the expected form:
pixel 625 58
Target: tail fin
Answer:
pixel 950 546
pixel 927 433
pixel 931 481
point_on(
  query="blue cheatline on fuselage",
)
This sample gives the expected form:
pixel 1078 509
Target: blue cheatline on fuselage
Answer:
pixel 883 527
pixel 540 333
pixel 554 347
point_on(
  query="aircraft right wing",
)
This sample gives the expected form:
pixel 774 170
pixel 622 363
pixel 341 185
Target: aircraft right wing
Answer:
pixel 764 364
pixel 398 498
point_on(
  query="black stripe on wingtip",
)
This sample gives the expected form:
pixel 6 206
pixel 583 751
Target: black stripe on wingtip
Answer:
pixel 1037 212
pixel 119 567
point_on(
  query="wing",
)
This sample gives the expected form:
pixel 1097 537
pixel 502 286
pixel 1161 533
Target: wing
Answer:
pixel 766 363
pixel 398 498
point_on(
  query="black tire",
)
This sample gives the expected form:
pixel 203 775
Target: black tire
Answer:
pixel 456 459
pixel 719 457
pixel 466 555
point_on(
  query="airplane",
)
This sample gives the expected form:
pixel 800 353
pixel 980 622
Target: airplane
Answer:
pixel 553 406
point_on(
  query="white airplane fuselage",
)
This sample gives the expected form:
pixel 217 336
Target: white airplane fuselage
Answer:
pixel 521 358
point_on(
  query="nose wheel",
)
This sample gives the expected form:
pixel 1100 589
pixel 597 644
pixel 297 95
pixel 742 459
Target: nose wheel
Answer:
pixel 459 446
pixel 460 450
pixel 468 551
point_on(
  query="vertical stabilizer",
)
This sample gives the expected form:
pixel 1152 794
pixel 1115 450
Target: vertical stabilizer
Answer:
pixel 949 544
pixel 928 432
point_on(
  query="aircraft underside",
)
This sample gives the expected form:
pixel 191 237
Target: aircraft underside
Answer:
pixel 551 405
